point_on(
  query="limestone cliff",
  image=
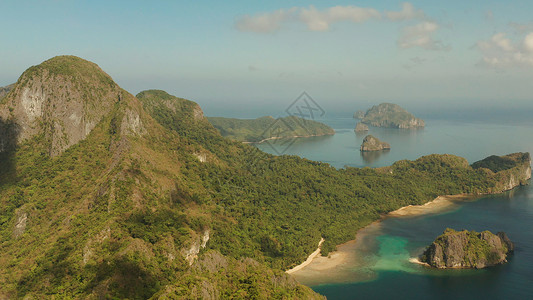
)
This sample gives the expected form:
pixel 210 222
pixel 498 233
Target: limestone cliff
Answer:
pixel 468 249
pixel 61 99
pixel 509 171
pixel 371 143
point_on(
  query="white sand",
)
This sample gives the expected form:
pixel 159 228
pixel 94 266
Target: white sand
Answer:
pixel 308 260
pixel 340 264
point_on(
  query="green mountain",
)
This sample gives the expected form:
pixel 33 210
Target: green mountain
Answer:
pixel 107 195
pixel 389 115
pixel 257 130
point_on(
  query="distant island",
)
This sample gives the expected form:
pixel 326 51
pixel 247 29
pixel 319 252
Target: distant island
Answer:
pixel 265 128
pixel 360 127
pixel 372 143
pixel 389 115
pixel 468 249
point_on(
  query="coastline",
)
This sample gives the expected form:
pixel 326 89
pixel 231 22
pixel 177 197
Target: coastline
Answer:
pixel 287 137
pixel 308 260
pixel 332 268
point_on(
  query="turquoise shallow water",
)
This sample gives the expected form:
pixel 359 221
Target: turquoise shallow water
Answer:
pixel 398 239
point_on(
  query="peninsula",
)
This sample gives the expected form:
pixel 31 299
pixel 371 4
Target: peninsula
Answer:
pixel 266 128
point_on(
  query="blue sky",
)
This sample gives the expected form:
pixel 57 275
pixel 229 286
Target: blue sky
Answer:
pixel 253 57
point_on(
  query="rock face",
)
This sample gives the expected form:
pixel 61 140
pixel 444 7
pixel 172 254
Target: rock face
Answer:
pixel 62 99
pixel 371 143
pixel 390 115
pixel 468 249
pixel 509 170
pixel 360 127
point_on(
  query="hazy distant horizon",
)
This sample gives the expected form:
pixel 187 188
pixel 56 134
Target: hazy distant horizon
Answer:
pixel 226 55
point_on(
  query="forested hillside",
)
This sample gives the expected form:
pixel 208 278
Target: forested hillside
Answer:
pixel 260 129
pixel 146 198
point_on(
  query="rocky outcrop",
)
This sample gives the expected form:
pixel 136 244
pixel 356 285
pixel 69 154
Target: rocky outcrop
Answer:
pixel 61 99
pixel 371 143
pixel 20 225
pixel 468 249
pixel 197 244
pixel 390 115
pixel 360 127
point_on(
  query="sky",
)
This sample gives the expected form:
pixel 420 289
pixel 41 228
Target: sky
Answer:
pixel 252 58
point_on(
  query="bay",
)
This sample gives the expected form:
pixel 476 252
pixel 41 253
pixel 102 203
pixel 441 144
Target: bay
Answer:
pixel 386 272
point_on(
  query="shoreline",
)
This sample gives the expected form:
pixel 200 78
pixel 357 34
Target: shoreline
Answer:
pixel 415 260
pixel 308 260
pixel 287 137
pixel 318 268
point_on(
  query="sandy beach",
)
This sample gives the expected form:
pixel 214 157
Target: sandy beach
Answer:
pixel 308 260
pixel 338 266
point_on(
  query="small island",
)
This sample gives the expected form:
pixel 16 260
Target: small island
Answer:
pixel 468 249
pixel 391 116
pixel 360 127
pixel 372 143
pixel 267 128
pixel 359 114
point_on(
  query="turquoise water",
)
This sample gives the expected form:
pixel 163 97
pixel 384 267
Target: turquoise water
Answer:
pixel 472 141
pixel 398 239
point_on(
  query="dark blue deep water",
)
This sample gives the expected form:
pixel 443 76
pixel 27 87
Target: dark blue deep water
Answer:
pixel 398 239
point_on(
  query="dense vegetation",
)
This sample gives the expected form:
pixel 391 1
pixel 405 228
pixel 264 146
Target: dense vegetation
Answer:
pixel 256 130
pixel 116 213
pixel 498 163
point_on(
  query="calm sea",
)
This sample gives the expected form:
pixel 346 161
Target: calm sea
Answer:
pixel 398 239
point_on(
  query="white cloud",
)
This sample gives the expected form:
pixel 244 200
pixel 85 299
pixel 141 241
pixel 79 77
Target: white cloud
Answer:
pixel 314 19
pixel 528 43
pixel 502 52
pixel 421 35
pixel 266 22
pixel 320 20
pixel 408 12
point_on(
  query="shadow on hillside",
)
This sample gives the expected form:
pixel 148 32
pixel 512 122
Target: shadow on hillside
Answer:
pixel 9 131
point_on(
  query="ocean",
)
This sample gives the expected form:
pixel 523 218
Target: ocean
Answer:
pixel 386 272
